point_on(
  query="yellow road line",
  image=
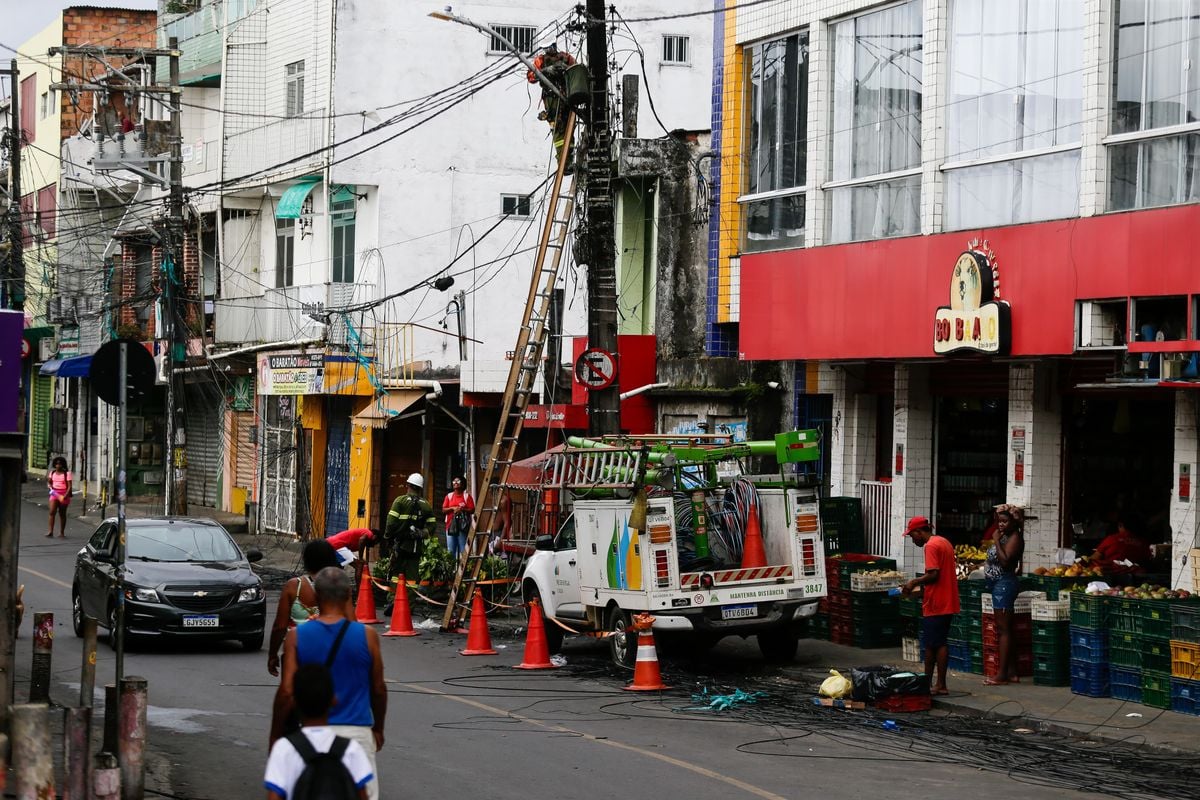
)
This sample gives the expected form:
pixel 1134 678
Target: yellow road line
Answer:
pixel 675 762
pixel 44 577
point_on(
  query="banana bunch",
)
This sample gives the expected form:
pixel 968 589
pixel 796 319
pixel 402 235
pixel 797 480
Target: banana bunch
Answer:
pixel 966 552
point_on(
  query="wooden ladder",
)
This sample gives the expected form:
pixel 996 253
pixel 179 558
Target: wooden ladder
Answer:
pixel 527 359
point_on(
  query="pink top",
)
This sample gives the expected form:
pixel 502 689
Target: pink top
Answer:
pixel 59 481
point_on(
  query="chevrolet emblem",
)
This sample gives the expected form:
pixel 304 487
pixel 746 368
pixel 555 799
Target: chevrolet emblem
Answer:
pixel 200 593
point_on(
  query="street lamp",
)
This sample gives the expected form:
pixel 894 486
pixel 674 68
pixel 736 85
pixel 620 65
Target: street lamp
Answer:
pixel 447 15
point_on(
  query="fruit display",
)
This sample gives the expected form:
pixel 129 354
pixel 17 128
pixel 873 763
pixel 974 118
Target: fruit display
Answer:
pixel 1145 591
pixel 1076 570
pixel 966 552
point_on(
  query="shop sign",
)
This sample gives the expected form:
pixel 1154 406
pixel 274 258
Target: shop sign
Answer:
pixel 1185 483
pixel 294 373
pixel 977 320
pixel 1018 440
pixel 1019 469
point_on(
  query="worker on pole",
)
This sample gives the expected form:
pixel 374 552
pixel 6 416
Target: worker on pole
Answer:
pixel 554 64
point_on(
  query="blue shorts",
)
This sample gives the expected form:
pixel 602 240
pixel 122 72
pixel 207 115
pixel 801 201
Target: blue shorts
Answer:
pixel 1004 592
pixel 936 630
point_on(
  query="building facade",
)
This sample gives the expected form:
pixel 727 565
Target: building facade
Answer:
pixel 962 225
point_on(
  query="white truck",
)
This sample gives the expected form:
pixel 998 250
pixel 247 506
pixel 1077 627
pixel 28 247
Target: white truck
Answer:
pixel 597 570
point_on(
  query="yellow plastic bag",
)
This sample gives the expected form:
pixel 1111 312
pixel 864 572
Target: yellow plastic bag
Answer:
pixel 835 685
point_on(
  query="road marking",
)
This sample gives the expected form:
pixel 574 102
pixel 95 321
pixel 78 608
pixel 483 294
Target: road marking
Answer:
pixel 675 762
pixel 45 577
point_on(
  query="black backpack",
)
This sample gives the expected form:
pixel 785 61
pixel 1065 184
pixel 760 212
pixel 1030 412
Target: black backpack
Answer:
pixel 325 777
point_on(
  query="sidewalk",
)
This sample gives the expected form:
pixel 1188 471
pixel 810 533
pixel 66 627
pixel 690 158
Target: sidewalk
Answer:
pixel 1050 709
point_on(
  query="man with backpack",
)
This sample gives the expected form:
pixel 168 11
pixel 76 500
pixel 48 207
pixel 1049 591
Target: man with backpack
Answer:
pixel 351 653
pixel 314 762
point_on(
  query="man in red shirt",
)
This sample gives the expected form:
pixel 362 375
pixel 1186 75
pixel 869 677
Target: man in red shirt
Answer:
pixel 356 540
pixel 940 596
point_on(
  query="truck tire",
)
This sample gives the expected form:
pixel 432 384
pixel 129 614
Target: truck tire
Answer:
pixel 778 646
pixel 554 634
pixel 622 644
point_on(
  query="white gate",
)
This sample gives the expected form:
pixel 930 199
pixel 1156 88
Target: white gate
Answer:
pixel 277 502
pixel 877 516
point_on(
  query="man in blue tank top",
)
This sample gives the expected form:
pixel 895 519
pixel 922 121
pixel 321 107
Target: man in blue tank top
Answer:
pixel 356 666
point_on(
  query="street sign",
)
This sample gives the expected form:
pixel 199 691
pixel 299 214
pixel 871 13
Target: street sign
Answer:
pixel 104 372
pixel 596 368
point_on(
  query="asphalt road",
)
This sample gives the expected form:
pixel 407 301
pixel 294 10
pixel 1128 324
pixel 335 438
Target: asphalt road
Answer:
pixel 463 727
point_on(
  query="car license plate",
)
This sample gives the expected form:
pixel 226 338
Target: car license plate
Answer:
pixel 209 621
pixel 738 612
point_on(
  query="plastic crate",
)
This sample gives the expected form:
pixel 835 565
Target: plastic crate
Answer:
pixel 1125 650
pixel 1123 614
pixel 842 524
pixel 1087 611
pixel 905 703
pixel 911 650
pixel 1125 684
pixel 818 626
pixel 1089 679
pixel 971 591
pixel 1089 646
pixel 839 599
pixel 1051 585
pixel 1185 660
pixel 1157 618
pixel 866 582
pixel 1156 654
pixel 875 600
pixel 1185 623
pixel 1051 670
pixel 1156 689
pixel 1050 610
pixel 859 563
pixel 1185 696
pixel 910 606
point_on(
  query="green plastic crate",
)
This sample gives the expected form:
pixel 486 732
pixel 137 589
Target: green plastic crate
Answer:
pixel 1125 649
pixel 880 600
pixel 1156 618
pixel 842 525
pixel 1123 614
pixel 1156 689
pixel 1053 584
pixel 1051 647
pixel 1045 631
pixel 848 568
pixel 910 606
pixel 969 591
pixel 1088 610
pixel 1052 670
pixel 1156 654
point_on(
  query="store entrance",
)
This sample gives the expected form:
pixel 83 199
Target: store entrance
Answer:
pixel 1118 465
pixel 971 460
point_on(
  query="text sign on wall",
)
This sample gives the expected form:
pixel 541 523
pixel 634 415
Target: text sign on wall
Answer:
pixel 975 321
pixel 291 373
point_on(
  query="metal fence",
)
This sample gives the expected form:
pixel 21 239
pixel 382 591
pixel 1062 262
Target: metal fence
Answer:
pixel 877 516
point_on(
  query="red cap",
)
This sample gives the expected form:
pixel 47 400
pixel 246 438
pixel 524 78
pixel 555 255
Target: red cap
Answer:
pixel 916 524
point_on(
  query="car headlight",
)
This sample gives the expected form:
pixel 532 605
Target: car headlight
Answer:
pixel 141 595
pixel 251 594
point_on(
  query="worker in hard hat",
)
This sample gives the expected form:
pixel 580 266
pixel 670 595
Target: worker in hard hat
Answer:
pixel 554 63
pixel 409 522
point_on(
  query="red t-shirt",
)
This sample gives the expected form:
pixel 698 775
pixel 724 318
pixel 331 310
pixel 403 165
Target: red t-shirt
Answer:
pixel 351 538
pixel 941 596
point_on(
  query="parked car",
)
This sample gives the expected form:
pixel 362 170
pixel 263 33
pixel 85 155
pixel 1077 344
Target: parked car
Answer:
pixel 183 577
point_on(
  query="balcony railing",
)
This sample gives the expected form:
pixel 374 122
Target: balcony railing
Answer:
pixel 295 312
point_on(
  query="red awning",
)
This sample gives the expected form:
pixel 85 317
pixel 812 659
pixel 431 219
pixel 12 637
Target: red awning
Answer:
pixel 1179 384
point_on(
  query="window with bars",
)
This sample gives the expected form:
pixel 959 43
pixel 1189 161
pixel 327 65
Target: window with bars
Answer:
pixel 675 49
pixel 514 205
pixel 285 252
pixel 295 88
pixel 343 213
pixel 521 36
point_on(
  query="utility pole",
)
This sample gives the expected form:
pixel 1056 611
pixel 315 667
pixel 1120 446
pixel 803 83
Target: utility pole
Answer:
pixel 14 283
pixel 176 484
pixel 604 405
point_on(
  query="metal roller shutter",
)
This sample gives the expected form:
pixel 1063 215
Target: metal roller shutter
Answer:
pixel 39 420
pixel 245 454
pixel 204 438
pixel 337 469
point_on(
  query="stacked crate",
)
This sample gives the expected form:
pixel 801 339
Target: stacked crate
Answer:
pixel 1054 586
pixel 1051 642
pixel 1089 645
pixel 966 632
pixel 910 629
pixel 1022 635
pixel 842 525
pixel 1154 627
pixel 1185 658
pixel 867 619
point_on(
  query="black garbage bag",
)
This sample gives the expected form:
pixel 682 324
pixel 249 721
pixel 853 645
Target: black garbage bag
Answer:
pixel 881 682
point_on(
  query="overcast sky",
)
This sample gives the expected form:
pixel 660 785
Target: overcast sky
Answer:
pixel 25 18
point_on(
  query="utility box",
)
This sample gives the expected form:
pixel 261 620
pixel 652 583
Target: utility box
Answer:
pixel 794 447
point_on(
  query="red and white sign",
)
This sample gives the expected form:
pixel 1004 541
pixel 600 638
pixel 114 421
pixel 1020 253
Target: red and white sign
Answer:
pixel 26 347
pixel 976 319
pixel 692 579
pixel 596 368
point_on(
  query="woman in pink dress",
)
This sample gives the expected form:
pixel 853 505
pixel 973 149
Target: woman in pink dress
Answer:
pixel 58 481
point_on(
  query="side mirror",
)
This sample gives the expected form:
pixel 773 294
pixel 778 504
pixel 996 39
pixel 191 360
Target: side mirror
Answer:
pixel 254 554
pixel 104 557
pixel 544 542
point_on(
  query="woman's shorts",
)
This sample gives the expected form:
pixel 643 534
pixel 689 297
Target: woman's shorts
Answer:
pixel 1004 592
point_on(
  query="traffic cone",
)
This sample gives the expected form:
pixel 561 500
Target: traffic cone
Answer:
pixel 753 554
pixel 537 651
pixel 479 640
pixel 364 610
pixel 401 614
pixel 646 677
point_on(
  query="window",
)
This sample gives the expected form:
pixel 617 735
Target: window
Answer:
pixel 44 107
pixel 295 88
pixel 521 37
pixel 29 95
pixel 47 198
pixel 675 49
pixel 876 187
pixel 285 252
pixel 778 140
pixel 514 205
pixel 1156 85
pixel 1015 102
pixel 343 212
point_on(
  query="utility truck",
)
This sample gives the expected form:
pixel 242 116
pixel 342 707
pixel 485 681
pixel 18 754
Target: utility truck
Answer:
pixel 673 528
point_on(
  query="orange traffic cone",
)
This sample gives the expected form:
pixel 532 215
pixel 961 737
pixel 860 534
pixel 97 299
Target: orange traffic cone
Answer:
pixel 479 641
pixel 365 608
pixel 537 651
pixel 401 614
pixel 753 554
pixel 646 677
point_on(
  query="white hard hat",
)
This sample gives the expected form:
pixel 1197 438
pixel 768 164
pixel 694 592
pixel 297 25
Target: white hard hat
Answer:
pixel 416 480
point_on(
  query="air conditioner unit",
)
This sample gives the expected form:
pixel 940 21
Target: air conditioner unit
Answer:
pixel 46 348
pixel 160 369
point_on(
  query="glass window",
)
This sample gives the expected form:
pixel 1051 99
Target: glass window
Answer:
pixel 285 252
pixel 514 205
pixel 1156 84
pixel 774 224
pixel 181 543
pixel 99 540
pixel 877 123
pixel 343 241
pixel 295 88
pixel 1016 84
pixel 675 49
pixel 521 36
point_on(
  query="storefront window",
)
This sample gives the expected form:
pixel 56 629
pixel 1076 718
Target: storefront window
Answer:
pixel 1156 87
pixel 773 206
pixel 875 191
pixel 1016 98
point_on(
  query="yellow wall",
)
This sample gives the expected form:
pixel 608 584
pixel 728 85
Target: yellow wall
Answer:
pixel 362 471
pixel 732 128
pixel 312 417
